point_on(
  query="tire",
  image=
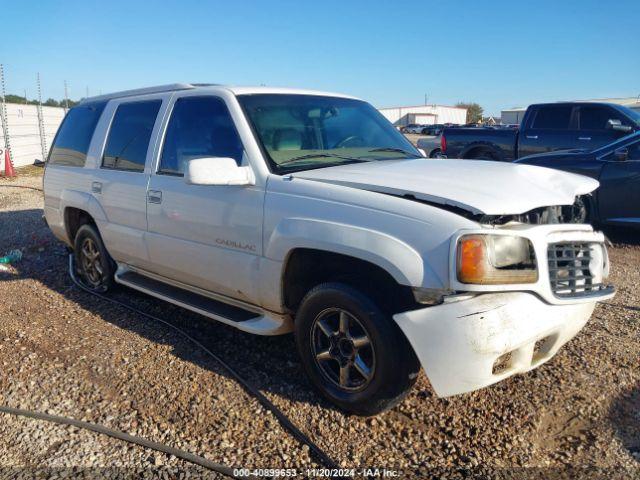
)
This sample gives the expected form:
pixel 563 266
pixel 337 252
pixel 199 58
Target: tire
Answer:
pixel 484 155
pixel 372 343
pixel 425 131
pixel 93 263
pixel 579 212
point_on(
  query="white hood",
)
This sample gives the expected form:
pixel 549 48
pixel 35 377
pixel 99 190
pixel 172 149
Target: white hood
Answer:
pixel 481 187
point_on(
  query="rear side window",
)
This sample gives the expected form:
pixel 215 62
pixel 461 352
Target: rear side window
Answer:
pixel 595 118
pixel 553 117
pixel 199 127
pixel 129 135
pixel 74 135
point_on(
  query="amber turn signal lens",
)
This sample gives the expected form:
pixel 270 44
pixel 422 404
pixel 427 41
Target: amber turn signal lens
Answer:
pixel 495 260
pixel 472 259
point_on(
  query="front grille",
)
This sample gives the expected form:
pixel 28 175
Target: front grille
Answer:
pixel 569 271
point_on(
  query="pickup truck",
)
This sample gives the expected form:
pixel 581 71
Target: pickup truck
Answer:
pixel 544 128
pixel 280 210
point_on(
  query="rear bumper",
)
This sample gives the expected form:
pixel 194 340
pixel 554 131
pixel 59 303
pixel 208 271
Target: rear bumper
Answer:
pixel 459 342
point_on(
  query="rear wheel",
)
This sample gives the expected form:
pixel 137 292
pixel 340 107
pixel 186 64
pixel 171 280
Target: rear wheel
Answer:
pixel 484 155
pixel 92 261
pixel 353 352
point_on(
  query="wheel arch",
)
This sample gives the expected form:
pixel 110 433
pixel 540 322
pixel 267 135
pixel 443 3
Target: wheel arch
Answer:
pixel 305 268
pixel 477 147
pixel 78 208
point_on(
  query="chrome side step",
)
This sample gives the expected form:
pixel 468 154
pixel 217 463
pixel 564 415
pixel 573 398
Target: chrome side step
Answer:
pixel 252 322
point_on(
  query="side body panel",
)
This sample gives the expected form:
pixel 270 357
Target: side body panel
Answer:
pixel 122 194
pixel 208 237
pixel 619 193
pixel 462 141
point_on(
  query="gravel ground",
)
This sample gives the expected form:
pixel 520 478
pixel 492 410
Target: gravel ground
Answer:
pixel 65 352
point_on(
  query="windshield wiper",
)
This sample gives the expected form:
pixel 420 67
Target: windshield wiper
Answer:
pixel 321 155
pixel 393 149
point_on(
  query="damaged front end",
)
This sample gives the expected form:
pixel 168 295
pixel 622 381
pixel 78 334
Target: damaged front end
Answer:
pixel 576 213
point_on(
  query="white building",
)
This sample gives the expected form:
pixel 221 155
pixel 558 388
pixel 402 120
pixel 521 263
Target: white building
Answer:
pixel 24 132
pixel 425 114
pixel 514 115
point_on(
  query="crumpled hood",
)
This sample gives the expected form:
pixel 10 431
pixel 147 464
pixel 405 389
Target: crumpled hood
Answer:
pixel 481 187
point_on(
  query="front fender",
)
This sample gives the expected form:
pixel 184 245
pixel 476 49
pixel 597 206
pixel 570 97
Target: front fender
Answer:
pixel 396 257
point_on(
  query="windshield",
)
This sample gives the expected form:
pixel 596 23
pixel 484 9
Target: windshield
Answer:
pixel 302 132
pixel 633 114
pixel 610 147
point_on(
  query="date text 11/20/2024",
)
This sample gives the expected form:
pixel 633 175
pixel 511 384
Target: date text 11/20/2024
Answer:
pixel 318 472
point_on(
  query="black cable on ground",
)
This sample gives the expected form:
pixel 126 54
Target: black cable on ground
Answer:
pixel 22 186
pixel 319 455
pixel 143 442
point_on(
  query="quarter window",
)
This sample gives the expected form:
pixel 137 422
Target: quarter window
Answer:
pixel 199 127
pixel 129 135
pixel 74 135
pixel 553 117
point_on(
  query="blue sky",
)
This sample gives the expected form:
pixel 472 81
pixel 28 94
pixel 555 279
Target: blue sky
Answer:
pixel 497 53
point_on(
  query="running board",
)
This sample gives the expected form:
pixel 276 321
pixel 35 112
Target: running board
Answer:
pixel 245 320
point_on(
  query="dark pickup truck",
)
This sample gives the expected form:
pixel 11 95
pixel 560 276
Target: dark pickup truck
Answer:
pixel 544 128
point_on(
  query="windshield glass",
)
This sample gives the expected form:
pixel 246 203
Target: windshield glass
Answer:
pixel 633 114
pixel 301 132
pixel 610 147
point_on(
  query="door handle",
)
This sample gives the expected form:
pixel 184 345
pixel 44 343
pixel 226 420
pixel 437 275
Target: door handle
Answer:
pixel 96 187
pixel 154 196
pixel 532 137
pixel 584 138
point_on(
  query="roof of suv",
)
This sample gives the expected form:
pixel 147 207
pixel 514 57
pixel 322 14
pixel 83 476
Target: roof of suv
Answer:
pixel 211 86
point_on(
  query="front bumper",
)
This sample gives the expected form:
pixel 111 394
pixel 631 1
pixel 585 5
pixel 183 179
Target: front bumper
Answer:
pixel 458 342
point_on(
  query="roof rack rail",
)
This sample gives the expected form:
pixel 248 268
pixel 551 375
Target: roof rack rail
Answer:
pixel 143 91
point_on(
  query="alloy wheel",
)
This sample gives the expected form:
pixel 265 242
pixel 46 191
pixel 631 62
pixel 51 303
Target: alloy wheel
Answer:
pixel 342 349
pixel 91 262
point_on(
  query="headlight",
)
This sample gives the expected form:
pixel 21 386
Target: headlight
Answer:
pixel 495 259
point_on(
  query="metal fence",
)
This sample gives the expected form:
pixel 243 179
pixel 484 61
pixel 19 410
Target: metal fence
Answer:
pixel 29 137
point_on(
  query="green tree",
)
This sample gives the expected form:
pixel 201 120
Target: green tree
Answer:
pixel 51 103
pixel 14 98
pixel 474 111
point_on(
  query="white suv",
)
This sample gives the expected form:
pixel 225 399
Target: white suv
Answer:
pixel 277 210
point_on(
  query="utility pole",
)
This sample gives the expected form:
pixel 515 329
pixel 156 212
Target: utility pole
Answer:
pixel 3 113
pixel 87 92
pixel 43 140
pixel 426 97
pixel 25 96
pixel 66 97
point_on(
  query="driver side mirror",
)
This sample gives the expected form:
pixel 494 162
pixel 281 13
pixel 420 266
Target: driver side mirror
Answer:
pixel 615 124
pixel 217 171
pixel 621 154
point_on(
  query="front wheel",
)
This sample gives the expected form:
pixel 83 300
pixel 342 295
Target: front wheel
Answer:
pixel 353 352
